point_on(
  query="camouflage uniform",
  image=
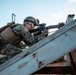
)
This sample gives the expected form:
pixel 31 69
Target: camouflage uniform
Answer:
pixel 11 37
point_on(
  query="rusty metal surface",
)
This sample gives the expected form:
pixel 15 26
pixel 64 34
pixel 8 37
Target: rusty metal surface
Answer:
pixel 55 70
pixel 73 61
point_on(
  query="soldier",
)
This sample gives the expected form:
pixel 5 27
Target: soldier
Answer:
pixel 11 37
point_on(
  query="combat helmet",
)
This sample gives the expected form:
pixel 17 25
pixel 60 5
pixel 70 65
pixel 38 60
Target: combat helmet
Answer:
pixel 31 19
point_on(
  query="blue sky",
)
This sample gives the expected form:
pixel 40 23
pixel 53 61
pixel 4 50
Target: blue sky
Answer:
pixel 47 11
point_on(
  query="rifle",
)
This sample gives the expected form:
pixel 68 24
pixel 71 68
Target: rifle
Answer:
pixel 42 27
pixel 42 31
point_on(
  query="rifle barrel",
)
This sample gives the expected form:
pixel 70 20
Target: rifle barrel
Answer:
pixel 56 26
pixel 41 28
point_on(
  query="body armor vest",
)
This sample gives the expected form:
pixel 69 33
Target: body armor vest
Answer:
pixel 9 37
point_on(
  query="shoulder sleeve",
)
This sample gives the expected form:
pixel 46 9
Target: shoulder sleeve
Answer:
pixel 28 37
pixel 22 31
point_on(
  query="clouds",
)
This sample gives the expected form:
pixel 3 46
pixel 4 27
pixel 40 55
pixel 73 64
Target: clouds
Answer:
pixel 47 11
pixel 58 17
pixel 72 1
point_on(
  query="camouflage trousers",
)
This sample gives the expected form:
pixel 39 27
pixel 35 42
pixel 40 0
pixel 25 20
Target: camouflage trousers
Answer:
pixel 9 50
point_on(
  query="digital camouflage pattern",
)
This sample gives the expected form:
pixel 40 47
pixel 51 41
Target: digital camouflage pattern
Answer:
pixel 22 31
pixel 9 49
pixel 29 39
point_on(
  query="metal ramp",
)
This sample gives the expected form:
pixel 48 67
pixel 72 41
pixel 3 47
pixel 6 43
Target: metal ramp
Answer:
pixel 42 53
pixel 57 67
pixel 60 69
